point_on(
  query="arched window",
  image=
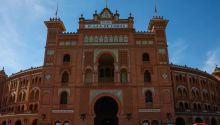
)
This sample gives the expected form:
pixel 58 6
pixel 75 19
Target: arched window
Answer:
pixel 193 94
pixel 32 97
pixel 124 76
pixel 65 77
pixel 66 58
pixel 213 121
pixel 63 97
pixel 35 122
pixel 37 95
pixel 147 76
pixel 197 94
pixel 145 122
pixel 186 106
pixel 88 76
pixel 4 123
pixel 18 122
pixel 20 97
pixel 66 123
pixel 198 120
pixel 58 123
pixel 184 93
pixel 195 107
pixel 24 96
pixel 145 57
pixel 35 107
pixel 181 106
pixel 148 97
pixel 180 121
pixel 31 107
pixel 154 122
pixel 199 107
pixel 179 92
pixel 22 108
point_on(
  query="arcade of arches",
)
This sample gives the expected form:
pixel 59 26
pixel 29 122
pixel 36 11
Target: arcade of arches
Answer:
pixel 106 69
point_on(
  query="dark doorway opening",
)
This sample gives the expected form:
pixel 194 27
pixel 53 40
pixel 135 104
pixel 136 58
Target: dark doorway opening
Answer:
pixel 18 122
pixel 180 121
pixel 213 122
pixel 106 109
pixel 34 122
pixel 198 120
pixel 4 123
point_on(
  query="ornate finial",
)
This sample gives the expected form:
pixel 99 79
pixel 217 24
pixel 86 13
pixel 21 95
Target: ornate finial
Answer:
pixel 116 11
pixel 130 14
pixel 216 66
pixel 95 11
pixel 81 15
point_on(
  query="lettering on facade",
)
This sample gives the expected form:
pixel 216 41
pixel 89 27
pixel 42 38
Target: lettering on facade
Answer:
pixel 106 26
pixel 94 93
pixel 149 110
pixel 62 111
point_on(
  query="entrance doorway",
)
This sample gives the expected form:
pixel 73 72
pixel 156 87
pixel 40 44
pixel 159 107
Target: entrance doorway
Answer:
pixel 180 121
pixel 18 122
pixel 106 109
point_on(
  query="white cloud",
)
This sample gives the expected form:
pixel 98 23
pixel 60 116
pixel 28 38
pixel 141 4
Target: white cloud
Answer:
pixel 177 50
pixel 213 59
pixel 15 47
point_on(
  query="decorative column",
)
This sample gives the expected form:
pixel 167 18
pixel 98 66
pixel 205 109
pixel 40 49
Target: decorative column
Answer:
pixel 116 73
pixel 95 74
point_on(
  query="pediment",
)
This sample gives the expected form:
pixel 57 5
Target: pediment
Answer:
pixel 106 13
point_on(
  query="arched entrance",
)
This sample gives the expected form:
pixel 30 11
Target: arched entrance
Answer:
pixel 154 122
pixel 106 69
pixel 180 121
pixel 18 122
pixel 213 122
pixel 4 123
pixel 34 122
pixel 198 120
pixel 106 109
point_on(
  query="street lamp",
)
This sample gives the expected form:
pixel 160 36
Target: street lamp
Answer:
pixel 83 117
pixel 129 116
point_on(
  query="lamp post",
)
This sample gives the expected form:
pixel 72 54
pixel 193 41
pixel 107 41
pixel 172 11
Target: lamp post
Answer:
pixel 43 116
pixel 83 117
pixel 128 116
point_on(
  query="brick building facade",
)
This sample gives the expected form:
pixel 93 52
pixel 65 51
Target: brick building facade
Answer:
pixel 107 73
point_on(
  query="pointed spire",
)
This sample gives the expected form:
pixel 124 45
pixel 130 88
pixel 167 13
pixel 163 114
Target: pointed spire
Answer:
pixel 56 13
pixel 106 3
pixel 155 8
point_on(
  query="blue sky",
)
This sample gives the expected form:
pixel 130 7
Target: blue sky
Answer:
pixel 193 31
